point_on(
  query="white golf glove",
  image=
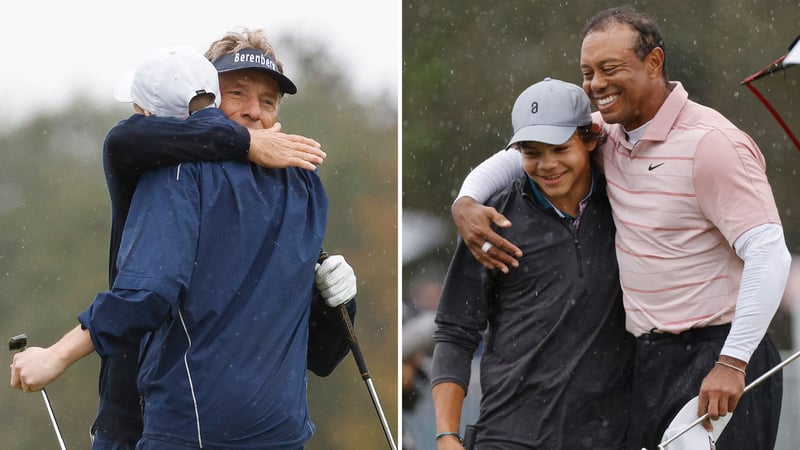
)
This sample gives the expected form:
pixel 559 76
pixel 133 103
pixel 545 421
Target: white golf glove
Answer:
pixel 335 280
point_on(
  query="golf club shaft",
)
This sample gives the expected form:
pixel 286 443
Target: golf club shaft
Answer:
pixel 755 383
pixel 19 343
pixel 355 348
pixel 379 410
pixel 53 419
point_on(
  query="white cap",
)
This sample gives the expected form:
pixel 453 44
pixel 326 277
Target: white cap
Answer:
pixel 167 80
pixel 697 438
pixel 549 111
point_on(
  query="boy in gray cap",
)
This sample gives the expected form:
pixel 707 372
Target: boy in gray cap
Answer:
pixel 555 367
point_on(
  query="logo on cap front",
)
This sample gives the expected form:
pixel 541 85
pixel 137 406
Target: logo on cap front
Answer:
pixel 255 59
pixel 534 107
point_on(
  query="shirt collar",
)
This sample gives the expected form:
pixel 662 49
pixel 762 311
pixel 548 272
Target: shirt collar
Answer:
pixel 542 201
pixel 660 125
pixel 633 136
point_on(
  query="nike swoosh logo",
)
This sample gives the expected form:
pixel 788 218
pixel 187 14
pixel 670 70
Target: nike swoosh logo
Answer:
pixel 651 166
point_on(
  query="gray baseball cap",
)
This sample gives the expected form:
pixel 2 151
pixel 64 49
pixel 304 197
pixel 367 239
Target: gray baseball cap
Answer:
pixel 549 111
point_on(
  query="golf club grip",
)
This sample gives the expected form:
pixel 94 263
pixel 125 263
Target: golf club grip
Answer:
pixel 351 334
pixel 354 346
pixel 470 431
pixel 18 342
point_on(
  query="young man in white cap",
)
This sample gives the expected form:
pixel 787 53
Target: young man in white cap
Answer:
pixel 702 256
pixel 217 261
pixel 555 365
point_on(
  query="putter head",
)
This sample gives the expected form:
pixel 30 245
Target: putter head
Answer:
pixel 18 342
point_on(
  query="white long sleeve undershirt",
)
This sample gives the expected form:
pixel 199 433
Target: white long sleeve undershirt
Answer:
pixel 492 175
pixel 766 270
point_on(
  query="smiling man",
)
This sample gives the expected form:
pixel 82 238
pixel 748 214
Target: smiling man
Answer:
pixel 702 257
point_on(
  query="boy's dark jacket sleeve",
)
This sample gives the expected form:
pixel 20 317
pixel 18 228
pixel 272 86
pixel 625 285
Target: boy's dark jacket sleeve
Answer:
pixel 328 341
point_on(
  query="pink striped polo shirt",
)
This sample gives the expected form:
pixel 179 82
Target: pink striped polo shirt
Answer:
pixel 680 197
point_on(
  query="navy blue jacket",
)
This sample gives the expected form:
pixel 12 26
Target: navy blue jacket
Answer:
pixel 131 148
pixel 217 259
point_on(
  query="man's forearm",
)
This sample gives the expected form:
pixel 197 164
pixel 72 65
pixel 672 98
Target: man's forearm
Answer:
pixel 448 399
pixel 76 344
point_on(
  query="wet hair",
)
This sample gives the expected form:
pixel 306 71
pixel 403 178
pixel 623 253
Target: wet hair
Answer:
pixel 201 101
pixel 592 132
pixel 587 133
pixel 649 36
pixel 242 38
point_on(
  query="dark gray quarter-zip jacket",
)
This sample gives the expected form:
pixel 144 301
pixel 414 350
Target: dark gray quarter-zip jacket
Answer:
pixel 555 360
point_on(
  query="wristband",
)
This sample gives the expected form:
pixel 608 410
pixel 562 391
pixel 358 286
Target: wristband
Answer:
pixel 732 367
pixel 448 433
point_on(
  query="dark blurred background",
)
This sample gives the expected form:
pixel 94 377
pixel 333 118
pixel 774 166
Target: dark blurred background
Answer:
pixel 464 64
pixel 54 218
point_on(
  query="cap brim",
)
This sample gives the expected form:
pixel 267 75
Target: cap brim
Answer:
pixel 252 58
pixel 549 134
pixel 122 88
pixel 697 437
pixel 286 85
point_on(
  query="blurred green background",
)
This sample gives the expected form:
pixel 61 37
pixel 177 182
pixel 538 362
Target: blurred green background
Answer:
pixel 54 217
pixel 464 64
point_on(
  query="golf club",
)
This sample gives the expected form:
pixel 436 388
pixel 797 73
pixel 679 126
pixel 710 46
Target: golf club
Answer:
pixel 470 433
pixel 756 382
pixel 789 59
pixel 362 365
pixel 19 343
